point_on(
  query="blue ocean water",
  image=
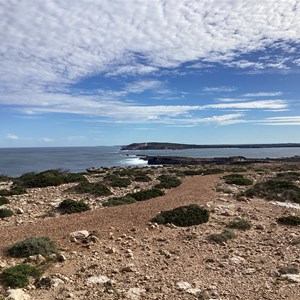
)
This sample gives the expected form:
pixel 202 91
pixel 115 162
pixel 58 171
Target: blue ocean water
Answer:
pixel 17 161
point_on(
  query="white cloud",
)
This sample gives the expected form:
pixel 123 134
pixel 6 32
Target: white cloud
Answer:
pixel 47 140
pixel 46 45
pixel 218 89
pixel 261 104
pixel 263 94
pixel 12 136
pixel 282 121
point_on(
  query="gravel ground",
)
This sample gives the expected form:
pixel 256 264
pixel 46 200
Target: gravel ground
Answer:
pixel 133 259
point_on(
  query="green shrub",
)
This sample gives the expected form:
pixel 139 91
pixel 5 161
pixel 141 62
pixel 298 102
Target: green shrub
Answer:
pixel 69 206
pixel 212 171
pixel 289 220
pixel 183 216
pixel 221 237
pixel 18 276
pixel 116 181
pixel 237 179
pixel 240 224
pixel 47 178
pixel 14 190
pixel 274 189
pixel 142 178
pixel 4 178
pixel 146 194
pixel 3 200
pixel 5 213
pixel 167 182
pixel 32 246
pixel 119 201
pixel 96 189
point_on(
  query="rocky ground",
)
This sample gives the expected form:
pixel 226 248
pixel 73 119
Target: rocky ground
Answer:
pixel 120 255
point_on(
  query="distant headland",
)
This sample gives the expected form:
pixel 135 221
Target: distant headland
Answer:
pixel 178 146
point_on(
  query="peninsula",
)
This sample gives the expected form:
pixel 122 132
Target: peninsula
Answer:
pixel 178 146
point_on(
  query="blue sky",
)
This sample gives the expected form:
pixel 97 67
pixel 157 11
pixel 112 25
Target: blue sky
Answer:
pixel 85 73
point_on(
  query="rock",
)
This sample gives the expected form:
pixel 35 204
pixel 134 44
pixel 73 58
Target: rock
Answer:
pixel 61 258
pixel 135 293
pixel 101 279
pixel 129 268
pixel 288 270
pixel 194 291
pixel 237 259
pixel 292 277
pixel 36 259
pixel 19 211
pixel 79 235
pixel 183 285
pixel 17 294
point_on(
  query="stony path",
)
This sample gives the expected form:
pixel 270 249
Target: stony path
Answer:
pixel 197 189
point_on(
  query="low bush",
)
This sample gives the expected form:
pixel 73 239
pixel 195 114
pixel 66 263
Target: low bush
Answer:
pixel 146 194
pixel 14 190
pixel 116 181
pixel 212 171
pixel 69 206
pixel 240 224
pixel 142 178
pixel 32 246
pixel 18 276
pixel 237 179
pixel 3 200
pixel 47 178
pixel 275 189
pixel 221 237
pixel 4 178
pixel 5 213
pixel 96 189
pixel 289 220
pixel 167 182
pixel 119 201
pixel 183 216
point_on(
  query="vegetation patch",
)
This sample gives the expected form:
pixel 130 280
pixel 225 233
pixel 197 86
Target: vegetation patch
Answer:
pixel 119 201
pixel 32 246
pixel 48 178
pixel 18 276
pixel 5 213
pixel 183 216
pixel 116 181
pixel 222 237
pixel 14 190
pixel 96 189
pixel 142 177
pixel 275 189
pixel 3 200
pixel 212 171
pixel 147 194
pixel 289 220
pixel 4 178
pixel 69 206
pixel 237 179
pixel 168 182
pixel 240 224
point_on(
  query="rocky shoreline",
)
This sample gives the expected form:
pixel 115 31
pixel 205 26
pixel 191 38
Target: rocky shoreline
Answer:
pixel 117 253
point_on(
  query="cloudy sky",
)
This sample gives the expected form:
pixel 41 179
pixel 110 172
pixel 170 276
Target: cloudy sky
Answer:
pixel 102 72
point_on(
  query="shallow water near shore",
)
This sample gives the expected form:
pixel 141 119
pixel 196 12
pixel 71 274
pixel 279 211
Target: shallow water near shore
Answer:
pixel 16 161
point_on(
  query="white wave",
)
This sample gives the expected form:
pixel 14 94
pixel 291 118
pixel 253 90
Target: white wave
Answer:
pixel 134 161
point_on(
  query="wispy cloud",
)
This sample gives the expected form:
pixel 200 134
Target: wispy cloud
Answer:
pixel 12 136
pixel 263 94
pixel 218 89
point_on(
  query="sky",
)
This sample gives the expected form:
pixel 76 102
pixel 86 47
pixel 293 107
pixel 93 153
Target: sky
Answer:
pixel 103 72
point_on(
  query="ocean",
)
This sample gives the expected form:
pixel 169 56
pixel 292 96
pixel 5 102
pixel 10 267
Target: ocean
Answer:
pixel 17 161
